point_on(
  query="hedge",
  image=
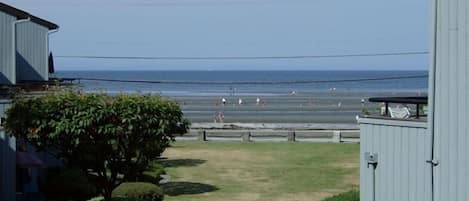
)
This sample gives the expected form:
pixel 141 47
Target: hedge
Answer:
pixel 139 191
pixel 347 196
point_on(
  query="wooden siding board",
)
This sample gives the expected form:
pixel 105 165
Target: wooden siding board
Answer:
pixel 364 176
pixel 402 172
pixel 450 100
pixel 461 155
pixel 413 162
pixel 7 64
pixel 31 42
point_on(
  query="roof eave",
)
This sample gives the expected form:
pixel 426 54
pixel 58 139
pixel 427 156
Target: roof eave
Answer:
pixel 20 14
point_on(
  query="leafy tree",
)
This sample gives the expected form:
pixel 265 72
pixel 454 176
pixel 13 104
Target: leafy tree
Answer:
pixel 112 138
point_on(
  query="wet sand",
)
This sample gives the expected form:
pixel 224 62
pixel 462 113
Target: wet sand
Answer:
pixel 318 107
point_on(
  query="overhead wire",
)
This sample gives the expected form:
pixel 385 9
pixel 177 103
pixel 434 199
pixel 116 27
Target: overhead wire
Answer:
pixel 244 57
pixel 248 58
pixel 249 82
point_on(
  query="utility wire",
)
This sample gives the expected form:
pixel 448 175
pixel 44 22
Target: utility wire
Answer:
pixel 247 57
pixel 249 82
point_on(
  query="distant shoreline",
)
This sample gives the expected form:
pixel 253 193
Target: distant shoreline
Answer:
pixel 234 70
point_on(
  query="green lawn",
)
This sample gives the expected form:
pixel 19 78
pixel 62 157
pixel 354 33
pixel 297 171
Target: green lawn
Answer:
pixel 213 171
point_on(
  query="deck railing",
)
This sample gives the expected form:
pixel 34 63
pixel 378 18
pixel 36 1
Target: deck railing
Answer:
pixel 419 102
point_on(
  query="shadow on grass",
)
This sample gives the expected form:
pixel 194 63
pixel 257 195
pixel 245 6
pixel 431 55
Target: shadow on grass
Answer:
pixel 181 162
pixel 186 188
pixel 150 179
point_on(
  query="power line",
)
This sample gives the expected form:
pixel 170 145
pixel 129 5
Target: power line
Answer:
pixel 247 57
pixel 249 82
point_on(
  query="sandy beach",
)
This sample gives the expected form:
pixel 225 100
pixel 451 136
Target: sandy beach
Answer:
pixel 318 107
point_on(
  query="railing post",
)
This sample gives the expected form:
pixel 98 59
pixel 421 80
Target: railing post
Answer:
pixel 418 111
pixel 202 135
pixel 247 136
pixel 337 137
pixel 291 136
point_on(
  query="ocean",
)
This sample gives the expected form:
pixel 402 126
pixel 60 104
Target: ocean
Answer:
pixel 417 85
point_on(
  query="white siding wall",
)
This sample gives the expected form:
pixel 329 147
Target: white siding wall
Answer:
pixel 7 63
pixel 31 45
pixel 450 105
pixel 402 173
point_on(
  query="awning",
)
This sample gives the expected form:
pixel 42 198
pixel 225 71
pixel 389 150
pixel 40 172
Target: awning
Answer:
pixel 28 160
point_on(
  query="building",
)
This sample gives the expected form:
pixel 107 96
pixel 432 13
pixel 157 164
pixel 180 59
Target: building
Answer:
pixel 24 40
pixel 426 159
pixel 24 58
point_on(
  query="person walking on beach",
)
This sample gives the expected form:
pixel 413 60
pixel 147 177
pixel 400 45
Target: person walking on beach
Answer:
pixel 221 117
pixel 218 117
pixel 258 100
pixel 215 117
pixel 223 101
pixel 240 101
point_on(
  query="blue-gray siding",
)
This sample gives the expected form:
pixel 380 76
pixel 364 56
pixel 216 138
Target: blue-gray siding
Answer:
pixel 4 106
pixel 32 52
pixel 451 98
pixel 7 167
pixel 402 173
pixel 7 60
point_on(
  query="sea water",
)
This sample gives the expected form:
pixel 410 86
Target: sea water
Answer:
pixel 276 82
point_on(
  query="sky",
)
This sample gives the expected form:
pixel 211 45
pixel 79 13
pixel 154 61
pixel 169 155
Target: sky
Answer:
pixel 212 28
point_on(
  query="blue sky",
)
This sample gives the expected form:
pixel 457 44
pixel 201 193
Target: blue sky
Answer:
pixel 237 28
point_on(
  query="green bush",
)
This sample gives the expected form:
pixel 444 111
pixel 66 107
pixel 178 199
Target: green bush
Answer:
pixel 347 196
pixel 112 138
pixel 68 184
pixel 114 199
pixel 153 175
pixel 100 198
pixel 157 170
pixel 139 191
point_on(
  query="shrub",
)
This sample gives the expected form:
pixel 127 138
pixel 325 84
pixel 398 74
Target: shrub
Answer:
pixel 68 184
pixel 114 199
pixel 347 196
pixel 153 175
pixel 112 138
pixel 139 191
pixel 157 170
pixel 100 198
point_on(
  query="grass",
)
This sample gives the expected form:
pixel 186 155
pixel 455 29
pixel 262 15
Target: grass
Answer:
pixel 213 171
pixel 347 196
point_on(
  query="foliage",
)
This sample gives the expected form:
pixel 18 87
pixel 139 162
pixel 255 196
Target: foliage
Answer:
pixel 108 136
pixel 347 196
pixel 365 111
pixel 157 169
pixel 68 184
pixel 153 174
pixel 100 198
pixel 114 199
pixel 139 190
